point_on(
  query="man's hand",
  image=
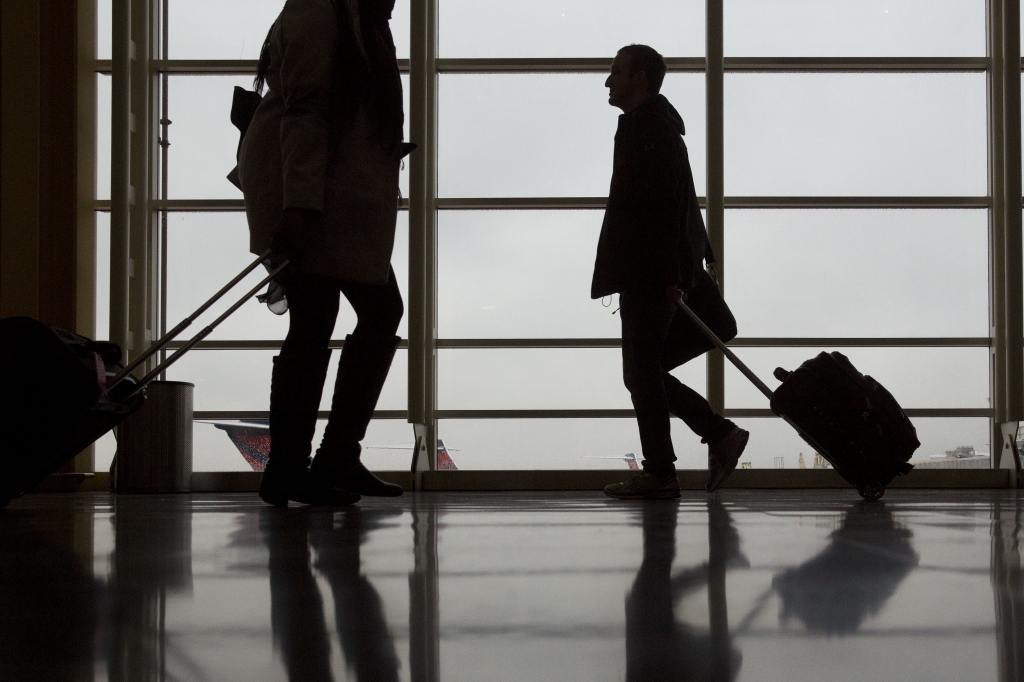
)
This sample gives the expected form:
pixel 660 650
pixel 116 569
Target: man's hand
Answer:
pixel 674 293
pixel 713 273
pixel 288 237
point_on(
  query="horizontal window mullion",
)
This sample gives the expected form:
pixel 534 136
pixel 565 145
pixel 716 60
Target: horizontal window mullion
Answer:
pixel 628 414
pixel 733 413
pixel 614 342
pixel 263 414
pixel 202 205
pixel 209 67
pixel 731 202
pixel 921 412
pixel 554 65
pixel 228 67
pixel 258 344
pixel 855 202
pixel 856 64
pixel 598 203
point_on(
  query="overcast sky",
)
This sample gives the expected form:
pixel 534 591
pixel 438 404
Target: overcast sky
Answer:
pixel 527 274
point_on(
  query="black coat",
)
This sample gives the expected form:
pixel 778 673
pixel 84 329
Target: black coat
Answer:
pixel 653 235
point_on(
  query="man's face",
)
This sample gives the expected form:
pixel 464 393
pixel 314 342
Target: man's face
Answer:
pixel 625 88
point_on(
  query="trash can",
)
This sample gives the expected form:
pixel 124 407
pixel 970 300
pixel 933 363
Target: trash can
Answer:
pixel 154 445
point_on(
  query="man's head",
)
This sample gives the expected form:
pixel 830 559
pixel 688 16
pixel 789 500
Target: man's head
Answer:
pixel 637 73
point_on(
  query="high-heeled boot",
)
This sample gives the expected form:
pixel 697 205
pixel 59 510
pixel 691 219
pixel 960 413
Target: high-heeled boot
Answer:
pixel 295 389
pixel 362 370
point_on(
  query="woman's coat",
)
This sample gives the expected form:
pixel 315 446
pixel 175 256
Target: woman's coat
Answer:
pixel 297 154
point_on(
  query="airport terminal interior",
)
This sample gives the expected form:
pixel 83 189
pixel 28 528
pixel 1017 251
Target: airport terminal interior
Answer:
pixel 858 167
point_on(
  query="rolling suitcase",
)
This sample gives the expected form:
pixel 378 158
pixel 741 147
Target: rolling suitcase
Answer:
pixel 847 417
pixel 63 391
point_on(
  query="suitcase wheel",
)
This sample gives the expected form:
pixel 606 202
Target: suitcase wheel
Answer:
pixel 871 491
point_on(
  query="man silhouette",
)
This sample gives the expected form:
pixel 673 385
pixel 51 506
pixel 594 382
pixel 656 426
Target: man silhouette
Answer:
pixel 651 252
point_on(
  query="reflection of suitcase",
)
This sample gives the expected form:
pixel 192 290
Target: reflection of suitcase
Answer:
pixel 63 391
pixel 846 416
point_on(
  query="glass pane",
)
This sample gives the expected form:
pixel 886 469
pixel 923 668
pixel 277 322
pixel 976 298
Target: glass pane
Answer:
pixel 858 272
pixel 855 134
pixel 558 444
pixel 387 447
pixel 206 250
pixel 204 142
pixel 569 28
pixel 104 22
pixel 775 445
pixel 102 276
pixel 541 378
pixel 508 274
pixel 103 110
pixel 866 28
pixel 240 379
pixel 916 377
pixel 543 135
pixel 236 29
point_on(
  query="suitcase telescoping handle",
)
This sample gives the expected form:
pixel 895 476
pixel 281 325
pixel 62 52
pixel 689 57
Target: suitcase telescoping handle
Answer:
pixel 725 349
pixel 181 326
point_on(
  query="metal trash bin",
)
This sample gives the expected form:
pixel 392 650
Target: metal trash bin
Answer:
pixel 154 445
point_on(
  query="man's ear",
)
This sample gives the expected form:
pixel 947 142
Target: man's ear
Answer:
pixel 641 79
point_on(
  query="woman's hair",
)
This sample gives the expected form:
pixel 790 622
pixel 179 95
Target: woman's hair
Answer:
pixel 365 69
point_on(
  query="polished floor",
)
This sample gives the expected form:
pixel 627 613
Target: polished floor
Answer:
pixel 742 585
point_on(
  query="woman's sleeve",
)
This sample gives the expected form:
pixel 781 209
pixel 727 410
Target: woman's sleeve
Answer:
pixel 307 34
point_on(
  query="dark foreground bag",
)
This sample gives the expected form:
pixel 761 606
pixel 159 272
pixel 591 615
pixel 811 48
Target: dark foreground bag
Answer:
pixel 849 418
pixel 62 391
pixel 56 402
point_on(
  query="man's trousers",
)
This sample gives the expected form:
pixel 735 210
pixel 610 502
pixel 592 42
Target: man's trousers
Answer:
pixel 657 337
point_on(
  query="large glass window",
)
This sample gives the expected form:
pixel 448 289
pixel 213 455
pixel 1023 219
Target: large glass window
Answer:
pixel 856 173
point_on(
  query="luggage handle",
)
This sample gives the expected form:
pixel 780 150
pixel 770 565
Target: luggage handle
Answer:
pixel 207 330
pixel 186 323
pixel 725 349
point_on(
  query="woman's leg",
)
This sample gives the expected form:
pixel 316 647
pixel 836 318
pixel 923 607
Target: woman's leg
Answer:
pixel 362 370
pixel 296 386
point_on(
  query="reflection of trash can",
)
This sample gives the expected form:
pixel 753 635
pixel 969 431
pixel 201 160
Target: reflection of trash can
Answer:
pixel 154 445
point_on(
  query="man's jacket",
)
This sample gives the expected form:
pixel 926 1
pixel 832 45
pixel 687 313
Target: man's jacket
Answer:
pixel 653 235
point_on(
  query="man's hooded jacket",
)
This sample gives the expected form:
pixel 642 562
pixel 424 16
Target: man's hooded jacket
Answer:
pixel 653 235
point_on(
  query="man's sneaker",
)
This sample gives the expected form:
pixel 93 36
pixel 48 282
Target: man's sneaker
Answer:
pixel 645 487
pixel 725 453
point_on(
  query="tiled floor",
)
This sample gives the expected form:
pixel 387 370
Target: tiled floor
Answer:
pixel 746 585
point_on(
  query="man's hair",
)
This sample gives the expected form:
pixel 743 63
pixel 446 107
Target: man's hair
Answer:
pixel 645 58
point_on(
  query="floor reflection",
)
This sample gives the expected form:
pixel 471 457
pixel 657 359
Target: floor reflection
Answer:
pixel 514 586
pixel 296 606
pixel 48 599
pixel 658 647
pixel 1008 586
pixel 866 560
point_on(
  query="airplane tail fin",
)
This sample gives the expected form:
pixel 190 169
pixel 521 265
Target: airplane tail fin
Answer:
pixel 253 443
pixel 444 460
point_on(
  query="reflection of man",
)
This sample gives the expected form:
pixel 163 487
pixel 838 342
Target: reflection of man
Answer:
pixel 296 606
pixel 652 248
pixel 658 648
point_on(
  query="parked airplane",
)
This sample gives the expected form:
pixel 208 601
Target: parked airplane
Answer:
pixel 629 458
pixel 252 439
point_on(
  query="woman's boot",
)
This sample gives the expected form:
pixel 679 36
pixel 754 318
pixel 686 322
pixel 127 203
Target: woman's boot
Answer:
pixel 295 390
pixel 362 370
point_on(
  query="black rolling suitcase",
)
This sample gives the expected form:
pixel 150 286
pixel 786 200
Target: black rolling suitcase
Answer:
pixel 63 391
pixel 849 418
